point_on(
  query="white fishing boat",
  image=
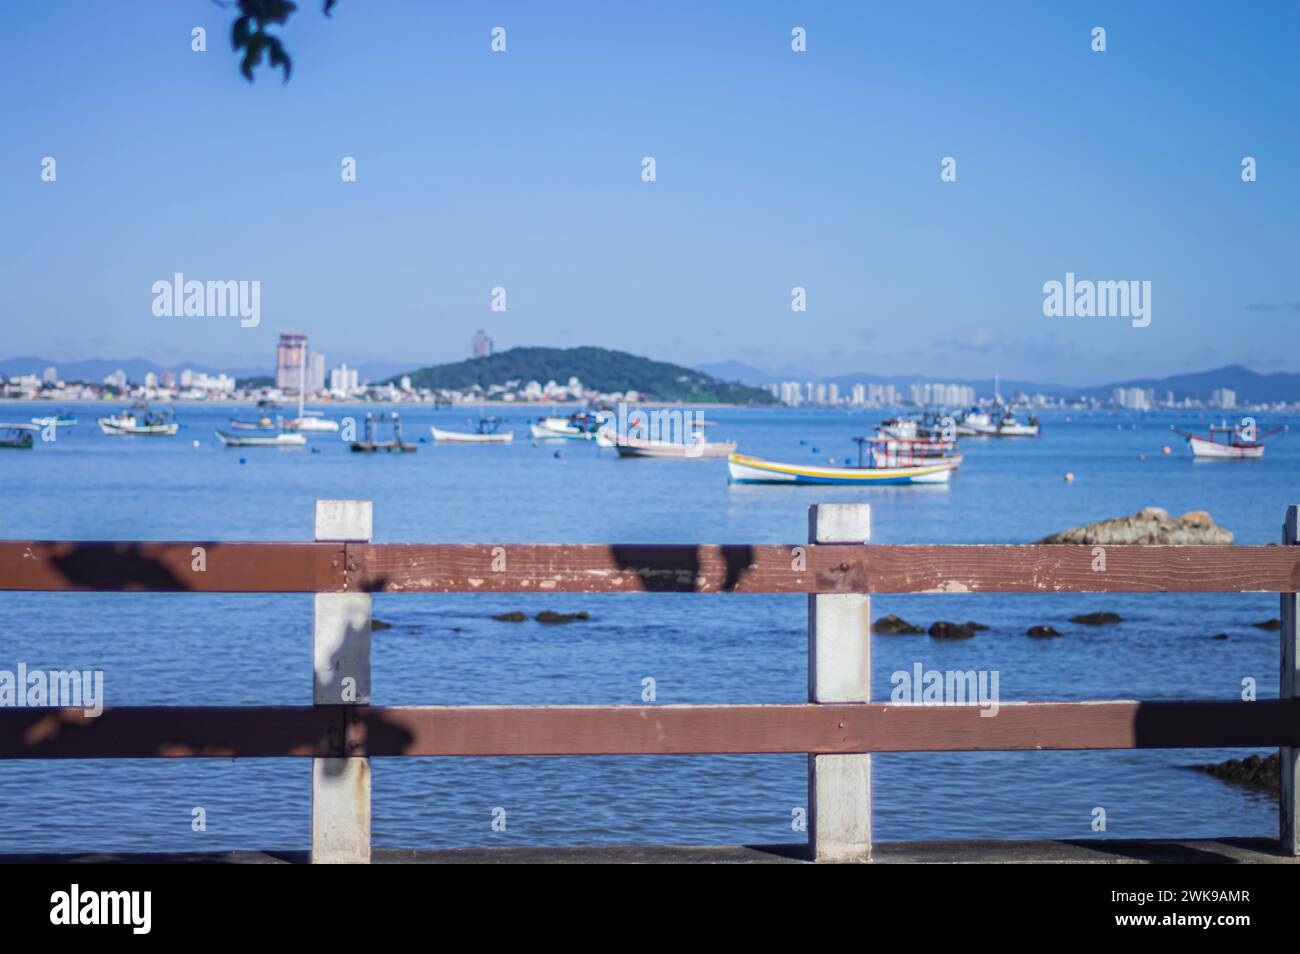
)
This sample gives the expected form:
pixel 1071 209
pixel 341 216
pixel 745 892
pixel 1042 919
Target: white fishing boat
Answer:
pixel 1238 443
pixel 1001 424
pixel 265 424
pixel 630 446
pixel 145 424
pixel 485 432
pixel 895 452
pixel 308 420
pixel 756 470
pixel 973 423
pixel 311 421
pixel 899 428
pixel 576 427
pixel 283 439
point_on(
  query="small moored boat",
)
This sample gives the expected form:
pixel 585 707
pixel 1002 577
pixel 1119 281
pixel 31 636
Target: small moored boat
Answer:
pixel 57 419
pixel 1238 443
pixel 17 436
pixel 895 452
pixel 283 439
pixel 576 427
pixel 1003 423
pixel 699 449
pixel 265 424
pixel 145 424
pixel 900 428
pixel 311 421
pixel 756 470
pixel 487 431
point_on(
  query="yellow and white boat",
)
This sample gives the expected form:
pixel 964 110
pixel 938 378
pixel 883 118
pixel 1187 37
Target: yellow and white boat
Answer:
pixel 756 470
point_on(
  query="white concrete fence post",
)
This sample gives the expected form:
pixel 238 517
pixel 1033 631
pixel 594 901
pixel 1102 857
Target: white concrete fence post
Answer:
pixel 839 670
pixel 340 787
pixel 1289 688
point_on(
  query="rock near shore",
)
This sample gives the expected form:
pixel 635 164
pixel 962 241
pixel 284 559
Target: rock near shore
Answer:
pixel 1150 526
pixel 946 630
pixel 1262 772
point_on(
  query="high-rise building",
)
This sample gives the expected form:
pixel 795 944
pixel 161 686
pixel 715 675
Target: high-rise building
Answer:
pixel 292 359
pixel 943 395
pixel 290 356
pixel 1132 399
pixel 315 372
pixel 480 346
pixel 1225 398
pixel 343 379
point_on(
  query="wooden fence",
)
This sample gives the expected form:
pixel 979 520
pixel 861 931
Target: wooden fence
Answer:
pixel 839 727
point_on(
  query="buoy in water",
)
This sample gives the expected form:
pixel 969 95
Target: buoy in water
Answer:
pixel 1165 450
pixel 196 443
pixel 1069 476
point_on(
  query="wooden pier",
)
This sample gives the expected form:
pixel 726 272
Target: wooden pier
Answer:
pixel 838 568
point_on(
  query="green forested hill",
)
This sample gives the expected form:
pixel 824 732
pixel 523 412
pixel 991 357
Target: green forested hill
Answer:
pixel 597 368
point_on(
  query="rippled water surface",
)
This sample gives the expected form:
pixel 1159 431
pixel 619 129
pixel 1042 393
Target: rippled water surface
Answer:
pixel 179 649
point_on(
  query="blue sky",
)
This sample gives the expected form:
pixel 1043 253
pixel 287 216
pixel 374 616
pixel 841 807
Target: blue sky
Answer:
pixel 775 169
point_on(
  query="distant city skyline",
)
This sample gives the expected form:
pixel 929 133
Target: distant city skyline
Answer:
pixel 522 172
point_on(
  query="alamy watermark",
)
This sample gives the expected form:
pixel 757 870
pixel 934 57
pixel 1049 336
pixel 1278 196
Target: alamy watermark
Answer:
pixel 132 909
pixel 57 688
pixel 1088 299
pixel 193 299
pixel 668 425
pixel 933 687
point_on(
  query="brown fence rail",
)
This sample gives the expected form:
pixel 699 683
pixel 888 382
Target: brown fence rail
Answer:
pixel 601 568
pixel 838 729
pixel 845 728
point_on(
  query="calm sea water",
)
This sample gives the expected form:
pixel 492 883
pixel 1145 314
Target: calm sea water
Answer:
pixel 168 649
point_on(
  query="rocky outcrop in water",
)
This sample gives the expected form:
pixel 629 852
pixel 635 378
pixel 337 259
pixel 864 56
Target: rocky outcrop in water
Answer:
pixel 892 625
pixel 1041 632
pixel 1150 526
pixel 550 616
pixel 946 630
pixel 1262 772
pixel 1095 619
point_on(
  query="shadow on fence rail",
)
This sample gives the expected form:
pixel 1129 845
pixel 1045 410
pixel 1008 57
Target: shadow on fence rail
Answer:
pixel 838 568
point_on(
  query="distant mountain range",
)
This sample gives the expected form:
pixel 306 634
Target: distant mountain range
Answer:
pixel 598 368
pixel 723 381
pixel 1250 386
